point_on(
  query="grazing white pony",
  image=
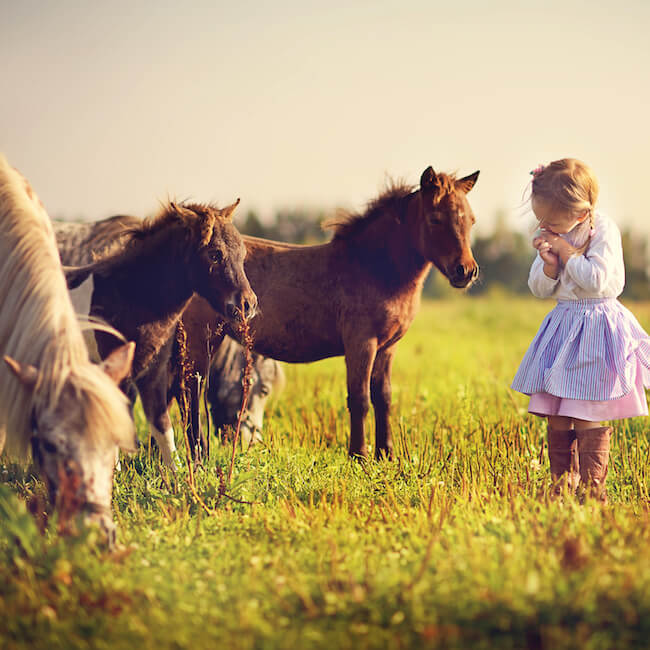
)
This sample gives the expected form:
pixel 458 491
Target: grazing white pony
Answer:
pixel 52 397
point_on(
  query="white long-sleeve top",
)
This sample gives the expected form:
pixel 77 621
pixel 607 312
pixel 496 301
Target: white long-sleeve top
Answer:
pixel 598 273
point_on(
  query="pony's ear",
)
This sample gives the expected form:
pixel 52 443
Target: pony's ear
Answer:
pixel 178 208
pixel 27 375
pixel 227 212
pixel 117 365
pixel 76 275
pixel 429 180
pixel 467 183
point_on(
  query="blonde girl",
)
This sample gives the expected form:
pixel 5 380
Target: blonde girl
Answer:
pixel 590 359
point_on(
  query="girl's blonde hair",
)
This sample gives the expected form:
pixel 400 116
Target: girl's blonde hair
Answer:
pixel 568 184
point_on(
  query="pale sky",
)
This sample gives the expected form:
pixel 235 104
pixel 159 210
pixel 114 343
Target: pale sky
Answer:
pixel 110 107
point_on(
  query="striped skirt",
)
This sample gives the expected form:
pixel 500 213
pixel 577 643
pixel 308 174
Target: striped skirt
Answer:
pixel 587 350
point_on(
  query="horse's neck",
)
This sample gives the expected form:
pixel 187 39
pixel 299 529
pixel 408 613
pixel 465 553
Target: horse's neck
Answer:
pixel 155 279
pixel 389 245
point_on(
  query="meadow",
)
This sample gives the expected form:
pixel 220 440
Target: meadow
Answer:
pixel 456 543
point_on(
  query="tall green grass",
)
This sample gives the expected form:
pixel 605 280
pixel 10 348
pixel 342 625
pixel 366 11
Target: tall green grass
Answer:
pixel 456 543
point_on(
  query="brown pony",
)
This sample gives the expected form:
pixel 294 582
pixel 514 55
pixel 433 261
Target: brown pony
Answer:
pixel 142 283
pixel 356 295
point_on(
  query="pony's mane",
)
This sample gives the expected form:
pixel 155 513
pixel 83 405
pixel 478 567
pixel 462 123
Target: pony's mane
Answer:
pixel 38 326
pixel 113 230
pixel 131 233
pixel 346 224
pixel 199 217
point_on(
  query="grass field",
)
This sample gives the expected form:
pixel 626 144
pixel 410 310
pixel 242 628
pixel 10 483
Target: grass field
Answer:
pixel 455 544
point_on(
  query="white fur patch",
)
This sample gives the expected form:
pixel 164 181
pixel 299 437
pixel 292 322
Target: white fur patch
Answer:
pixel 167 446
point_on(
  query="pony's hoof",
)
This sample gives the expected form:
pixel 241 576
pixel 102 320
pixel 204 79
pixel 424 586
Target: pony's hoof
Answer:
pixel 384 454
pixel 358 454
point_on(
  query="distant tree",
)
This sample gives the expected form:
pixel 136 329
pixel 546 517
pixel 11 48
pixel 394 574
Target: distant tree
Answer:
pixel 504 258
pixel 253 226
pixel 295 226
pixel 299 226
pixel 635 252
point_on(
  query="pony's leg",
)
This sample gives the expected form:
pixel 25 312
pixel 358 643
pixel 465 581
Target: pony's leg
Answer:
pixel 380 394
pixel 153 394
pixel 163 433
pixel 359 358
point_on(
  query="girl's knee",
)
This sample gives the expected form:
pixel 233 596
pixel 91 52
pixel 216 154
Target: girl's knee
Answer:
pixel 560 422
pixel 582 425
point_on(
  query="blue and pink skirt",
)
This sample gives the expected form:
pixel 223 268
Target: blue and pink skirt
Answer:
pixel 590 360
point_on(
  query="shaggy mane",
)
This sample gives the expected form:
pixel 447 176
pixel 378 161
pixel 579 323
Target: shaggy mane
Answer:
pixel 346 224
pixel 132 233
pixel 199 217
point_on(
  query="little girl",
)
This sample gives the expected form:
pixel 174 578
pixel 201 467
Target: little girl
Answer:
pixel 590 359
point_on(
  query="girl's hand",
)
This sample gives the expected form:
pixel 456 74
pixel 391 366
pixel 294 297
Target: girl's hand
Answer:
pixel 550 259
pixel 558 246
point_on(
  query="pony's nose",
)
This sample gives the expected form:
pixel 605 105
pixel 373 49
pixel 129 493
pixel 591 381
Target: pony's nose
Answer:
pixel 243 307
pixel 104 522
pixel 248 304
pixel 466 274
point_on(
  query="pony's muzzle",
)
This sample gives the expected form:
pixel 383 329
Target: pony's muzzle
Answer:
pixel 464 275
pixel 243 307
pixel 250 435
pixel 103 521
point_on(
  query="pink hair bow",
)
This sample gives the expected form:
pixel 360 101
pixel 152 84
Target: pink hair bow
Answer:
pixel 538 170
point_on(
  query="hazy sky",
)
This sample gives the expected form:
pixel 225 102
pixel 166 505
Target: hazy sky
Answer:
pixel 110 107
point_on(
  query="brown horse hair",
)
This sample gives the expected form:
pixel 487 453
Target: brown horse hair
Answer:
pixel 198 218
pixel 347 224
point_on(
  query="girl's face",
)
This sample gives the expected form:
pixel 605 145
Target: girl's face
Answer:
pixel 554 219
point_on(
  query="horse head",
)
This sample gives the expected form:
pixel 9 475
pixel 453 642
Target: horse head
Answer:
pixel 225 394
pixel 76 436
pixel 218 268
pixel 443 226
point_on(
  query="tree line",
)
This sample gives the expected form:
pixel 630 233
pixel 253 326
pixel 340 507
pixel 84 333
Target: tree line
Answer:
pixel 504 256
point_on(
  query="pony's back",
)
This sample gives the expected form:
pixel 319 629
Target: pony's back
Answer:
pixel 38 325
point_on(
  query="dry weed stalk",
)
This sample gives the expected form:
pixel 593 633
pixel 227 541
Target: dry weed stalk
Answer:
pixel 186 375
pixel 247 341
pixel 186 372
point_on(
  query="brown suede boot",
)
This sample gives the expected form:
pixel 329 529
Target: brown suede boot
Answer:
pixel 563 456
pixel 593 454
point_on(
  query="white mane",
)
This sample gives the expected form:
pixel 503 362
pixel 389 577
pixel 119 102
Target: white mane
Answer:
pixel 38 326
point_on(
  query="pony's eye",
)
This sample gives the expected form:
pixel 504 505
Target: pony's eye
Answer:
pixel 264 390
pixel 215 255
pixel 48 446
